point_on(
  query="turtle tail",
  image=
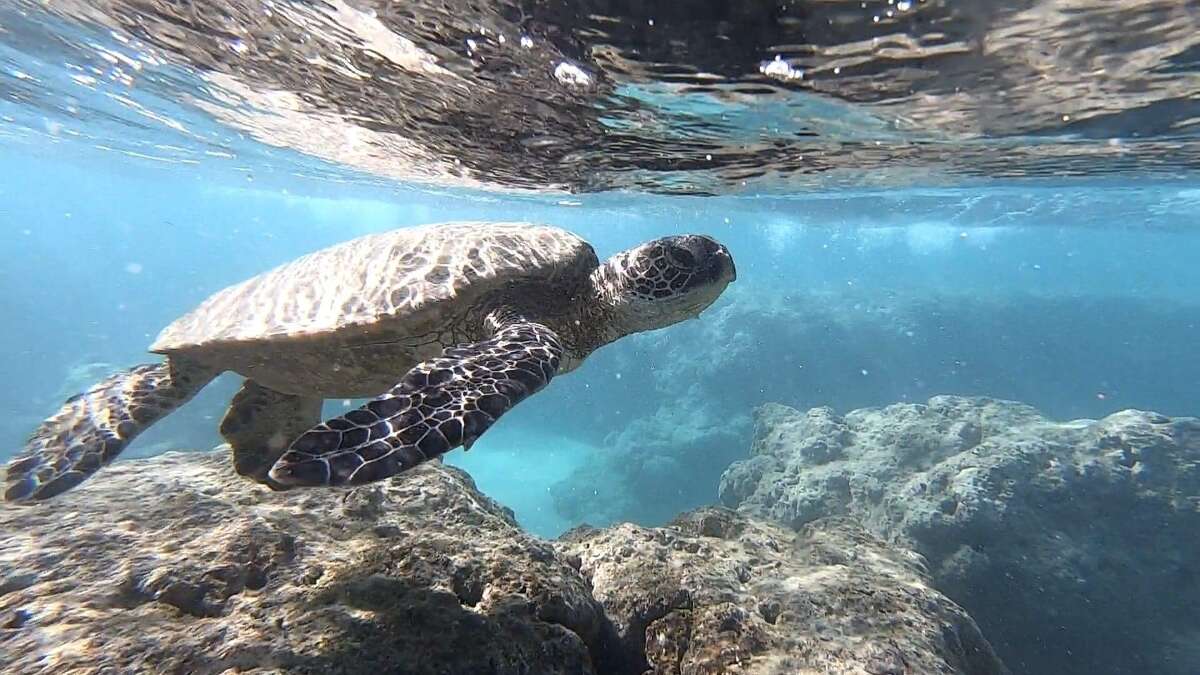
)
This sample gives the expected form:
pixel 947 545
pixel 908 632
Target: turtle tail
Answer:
pixel 94 427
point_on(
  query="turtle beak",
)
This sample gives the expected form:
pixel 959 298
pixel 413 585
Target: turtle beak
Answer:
pixel 732 267
pixel 726 262
pixel 716 263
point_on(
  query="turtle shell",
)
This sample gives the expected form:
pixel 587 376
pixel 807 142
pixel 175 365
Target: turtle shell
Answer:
pixel 413 276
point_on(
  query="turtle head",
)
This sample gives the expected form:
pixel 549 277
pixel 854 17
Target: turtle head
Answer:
pixel 664 281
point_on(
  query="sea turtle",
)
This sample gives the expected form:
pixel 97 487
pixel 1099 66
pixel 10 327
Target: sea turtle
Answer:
pixel 449 325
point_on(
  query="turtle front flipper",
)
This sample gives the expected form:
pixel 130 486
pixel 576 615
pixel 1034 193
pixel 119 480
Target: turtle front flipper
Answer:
pixel 92 428
pixel 439 405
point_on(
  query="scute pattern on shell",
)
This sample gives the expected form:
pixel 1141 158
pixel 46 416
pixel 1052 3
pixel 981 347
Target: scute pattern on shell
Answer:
pixel 393 274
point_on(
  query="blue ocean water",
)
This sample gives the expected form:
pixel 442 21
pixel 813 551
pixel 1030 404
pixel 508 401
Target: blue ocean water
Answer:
pixel 1080 300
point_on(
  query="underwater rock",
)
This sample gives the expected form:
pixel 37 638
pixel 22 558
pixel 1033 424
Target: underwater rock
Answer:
pixel 176 565
pixel 1072 544
pixel 720 592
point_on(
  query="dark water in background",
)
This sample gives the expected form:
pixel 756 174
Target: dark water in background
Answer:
pixel 922 197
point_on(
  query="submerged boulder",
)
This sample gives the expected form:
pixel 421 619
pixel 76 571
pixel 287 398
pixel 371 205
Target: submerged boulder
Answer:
pixel 173 564
pixel 720 592
pixel 176 565
pixel 1071 543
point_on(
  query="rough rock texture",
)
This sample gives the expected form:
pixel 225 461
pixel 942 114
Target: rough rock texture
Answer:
pixel 719 592
pixel 176 565
pixel 1073 544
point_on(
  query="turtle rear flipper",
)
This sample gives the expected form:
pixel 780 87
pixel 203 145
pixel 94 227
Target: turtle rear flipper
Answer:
pixel 261 422
pixel 439 405
pixel 92 428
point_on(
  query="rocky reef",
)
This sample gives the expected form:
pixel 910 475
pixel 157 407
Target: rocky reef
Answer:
pixel 1071 543
pixel 721 592
pixel 172 564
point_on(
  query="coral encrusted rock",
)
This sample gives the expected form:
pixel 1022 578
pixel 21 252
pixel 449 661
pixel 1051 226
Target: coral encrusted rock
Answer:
pixel 720 592
pixel 175 564
pixel 1071 543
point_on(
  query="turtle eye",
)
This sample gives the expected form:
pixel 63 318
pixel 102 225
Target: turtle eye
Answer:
pixel 681 256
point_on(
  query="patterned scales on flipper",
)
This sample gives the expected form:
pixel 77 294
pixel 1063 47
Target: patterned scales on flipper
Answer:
pixel 438 406
pixel 92 428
